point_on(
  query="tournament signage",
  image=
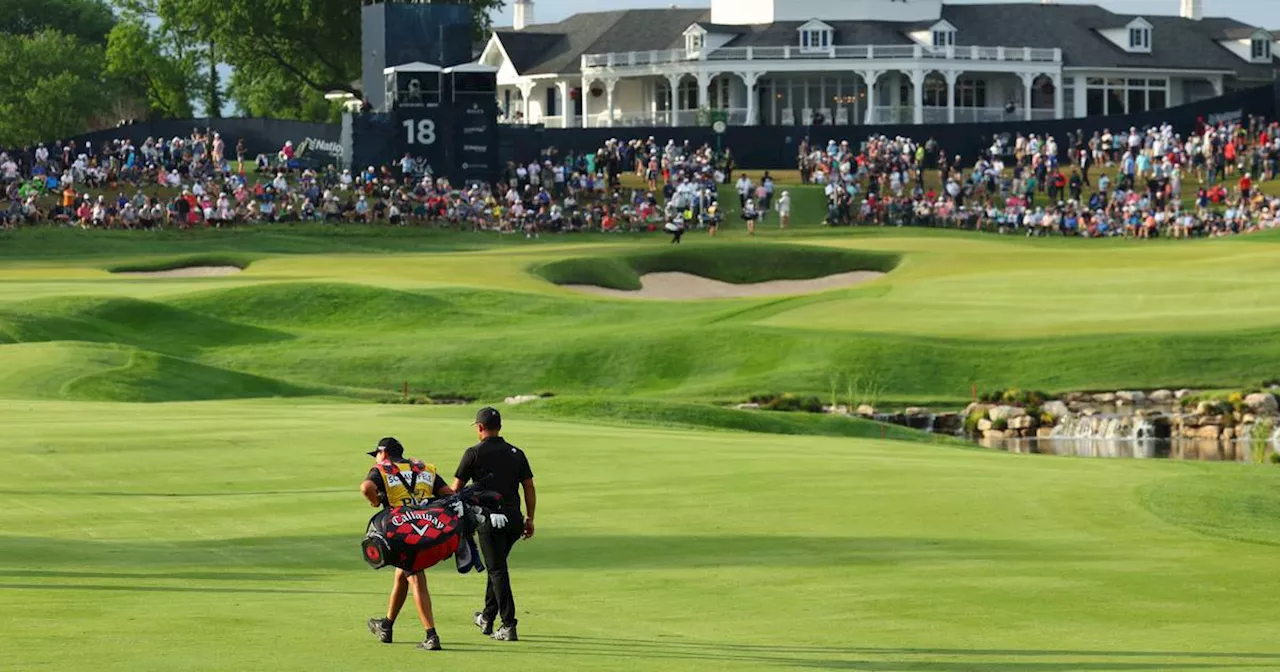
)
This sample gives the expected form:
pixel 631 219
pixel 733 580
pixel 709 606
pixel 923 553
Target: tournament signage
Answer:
pixel 476 140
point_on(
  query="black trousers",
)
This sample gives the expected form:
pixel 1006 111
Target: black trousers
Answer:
pixel 496 546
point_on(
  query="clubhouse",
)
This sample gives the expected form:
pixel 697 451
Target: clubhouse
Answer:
pixel 851 62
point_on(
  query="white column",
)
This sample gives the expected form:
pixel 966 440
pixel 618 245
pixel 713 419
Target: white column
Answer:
pixel 1059 103
pixel 917 94
pixel 1027 79
pixel 1216 80
pixel 749 80
pixel 951 76
pixel 1082 97
pixel 869 79
pixel 526 92
pixel 608 96
pixel 566 103
pixel 673 82
pixel 586 96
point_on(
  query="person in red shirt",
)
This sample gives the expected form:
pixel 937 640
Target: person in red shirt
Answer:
pixel 1246 184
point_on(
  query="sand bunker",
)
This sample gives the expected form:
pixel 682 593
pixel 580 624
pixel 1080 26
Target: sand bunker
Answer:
pixel 188 272
pixel 683 286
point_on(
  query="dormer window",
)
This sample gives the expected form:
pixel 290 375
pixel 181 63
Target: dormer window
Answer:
pixel 1139 36
pixel 694 39
pixel 943 35
pixel 1261 50
pixel 815 36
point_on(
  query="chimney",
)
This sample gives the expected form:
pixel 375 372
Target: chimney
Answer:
pixel 1192 9
pixel 521 14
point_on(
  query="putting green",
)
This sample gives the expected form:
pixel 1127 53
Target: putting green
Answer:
pixel 221 529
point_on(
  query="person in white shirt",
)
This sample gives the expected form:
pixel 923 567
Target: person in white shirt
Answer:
pixel 784 209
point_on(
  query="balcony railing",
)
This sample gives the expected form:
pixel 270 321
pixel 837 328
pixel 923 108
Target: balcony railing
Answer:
pixel 864 52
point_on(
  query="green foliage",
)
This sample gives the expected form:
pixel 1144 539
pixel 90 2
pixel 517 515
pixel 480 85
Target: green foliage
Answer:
pixel 136 63
pixel 87 21
pixel 971 422
pixel 50 87
pixel 1000 424
pixel 792 403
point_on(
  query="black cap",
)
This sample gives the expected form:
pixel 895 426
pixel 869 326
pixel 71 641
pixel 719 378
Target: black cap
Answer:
pixel 489 418
pixel 392 446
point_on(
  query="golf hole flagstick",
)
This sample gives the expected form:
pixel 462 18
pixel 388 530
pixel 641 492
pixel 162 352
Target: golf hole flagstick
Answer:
pixel 414 538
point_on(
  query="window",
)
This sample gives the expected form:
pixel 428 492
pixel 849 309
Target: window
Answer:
pixel 944 38
pixel 971 93
pixel 553 100
pixel 1125 96
pixel 688 94
pixel 1140 39
pixel 1261 50
pixel 693 43
pixel 815 40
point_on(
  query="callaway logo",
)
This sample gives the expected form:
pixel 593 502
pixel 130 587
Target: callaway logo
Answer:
pixel 428 518
pixel 420 531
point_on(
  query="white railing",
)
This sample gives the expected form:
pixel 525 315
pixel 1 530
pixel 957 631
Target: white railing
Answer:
pixel 864 52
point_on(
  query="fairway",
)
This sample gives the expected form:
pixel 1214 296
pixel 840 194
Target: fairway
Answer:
pixel 180 459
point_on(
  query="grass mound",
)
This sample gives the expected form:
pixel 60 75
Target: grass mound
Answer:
pixel 240 261
pixel 706 416
pixel 732 263
pixel 144 324
pixel 93 372
pixel 322 306
pixel 1241 506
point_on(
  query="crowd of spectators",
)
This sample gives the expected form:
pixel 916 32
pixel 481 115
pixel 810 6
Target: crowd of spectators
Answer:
pixel 194 181
pixel 1156 182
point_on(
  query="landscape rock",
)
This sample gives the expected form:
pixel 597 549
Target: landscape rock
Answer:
pixel 1105 398
pixel 1023 422
pixel 1262 402
pixel 521 399
pixel 1204 408
pixel 1182 393
pixel 1130 397
pixel 991 434
pixel 1248 418
pixel 1000 413
pixel 1044 433
pixel 748 407
pixel 1055 408
pixel 866 410
pixel 1209 432
pixel 984 425
pixel 1161 396
pixel 916 411
pixel 1228 433
pixel 1077 397
pixel 948 423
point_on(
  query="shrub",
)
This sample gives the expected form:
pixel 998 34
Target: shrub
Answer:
pixel 1236 401
pixel 1011 395
pixel 1001 424
pixel 971 422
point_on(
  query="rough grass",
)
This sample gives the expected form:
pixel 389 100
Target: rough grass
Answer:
pixel 86 372
pixel 706 416
pixel 190 261
pixel 1228 503
pixel 737 264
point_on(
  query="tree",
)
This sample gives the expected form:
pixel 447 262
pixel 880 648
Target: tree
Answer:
pixel 50 87
pixel 137 65
pixel 290 46
pixel 86 20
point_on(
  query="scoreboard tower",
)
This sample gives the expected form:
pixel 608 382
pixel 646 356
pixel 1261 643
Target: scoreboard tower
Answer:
pixel 428 99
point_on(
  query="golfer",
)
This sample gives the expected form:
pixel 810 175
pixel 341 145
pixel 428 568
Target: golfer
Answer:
pixel 396 480
pixel 504 469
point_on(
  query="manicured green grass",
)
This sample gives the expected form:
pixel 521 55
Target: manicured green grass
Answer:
pixel 225 535
pixel 220 530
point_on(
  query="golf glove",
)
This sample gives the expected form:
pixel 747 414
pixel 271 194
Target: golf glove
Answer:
pixel 497 521
pixel 457 508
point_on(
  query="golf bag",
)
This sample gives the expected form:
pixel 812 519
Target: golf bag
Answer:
pixel 414 538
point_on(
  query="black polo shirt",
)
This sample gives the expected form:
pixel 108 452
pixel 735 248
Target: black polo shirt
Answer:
pixel 500 466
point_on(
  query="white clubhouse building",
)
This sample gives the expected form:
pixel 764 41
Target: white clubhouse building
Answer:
pixel 785 62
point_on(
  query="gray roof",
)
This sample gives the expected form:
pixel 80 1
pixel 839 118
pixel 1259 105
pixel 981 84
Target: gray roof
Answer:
pixel 1176 43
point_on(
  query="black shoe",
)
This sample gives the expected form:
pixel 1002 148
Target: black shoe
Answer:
pixel 431 643
pixel 381 628
pixel 506 633
pixel 485 625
